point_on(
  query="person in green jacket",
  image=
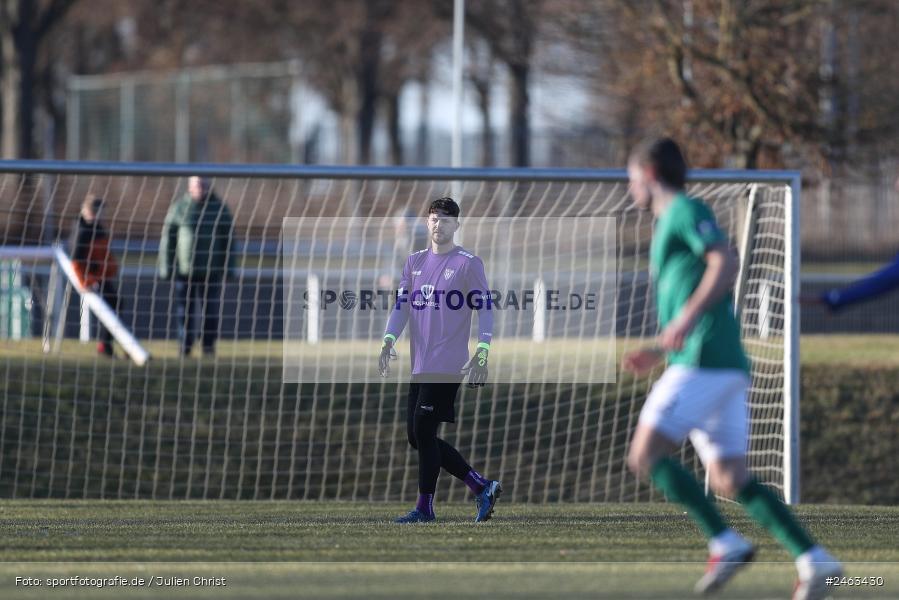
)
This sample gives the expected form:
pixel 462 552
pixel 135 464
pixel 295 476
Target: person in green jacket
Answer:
pixel 196 251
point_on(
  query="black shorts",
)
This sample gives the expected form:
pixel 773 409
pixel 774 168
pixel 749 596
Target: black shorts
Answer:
pixel 439 397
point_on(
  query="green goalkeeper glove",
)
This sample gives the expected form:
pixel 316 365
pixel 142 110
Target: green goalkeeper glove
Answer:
pixel 387 354
pixel 476 367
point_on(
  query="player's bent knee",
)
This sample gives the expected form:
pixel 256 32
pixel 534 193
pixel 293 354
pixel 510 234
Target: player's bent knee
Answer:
pixel 632 462
pixel 726 488
pixel 727 480
pixel 638 461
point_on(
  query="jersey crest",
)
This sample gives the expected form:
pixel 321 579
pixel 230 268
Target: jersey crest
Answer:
pixel 707 229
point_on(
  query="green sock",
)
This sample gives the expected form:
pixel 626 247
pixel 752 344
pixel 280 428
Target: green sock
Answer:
pixel 772 514
pixel 680 486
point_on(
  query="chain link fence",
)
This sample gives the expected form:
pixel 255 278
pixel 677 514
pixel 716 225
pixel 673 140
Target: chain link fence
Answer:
pixel 268 113
pixel 241 113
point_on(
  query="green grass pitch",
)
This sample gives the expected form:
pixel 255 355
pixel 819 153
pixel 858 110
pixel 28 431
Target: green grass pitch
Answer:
pixel 352 550
pixel 343 550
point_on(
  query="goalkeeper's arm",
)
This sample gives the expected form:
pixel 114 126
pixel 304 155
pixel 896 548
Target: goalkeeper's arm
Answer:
pixel 476 367
pixel 399 316
pixel 395 324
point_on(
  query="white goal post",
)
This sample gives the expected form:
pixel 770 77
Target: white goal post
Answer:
pixel 229 424
pixel 92 301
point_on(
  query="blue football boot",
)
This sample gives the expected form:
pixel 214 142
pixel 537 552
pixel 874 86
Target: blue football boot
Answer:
pixel 487 500
pixel 415 516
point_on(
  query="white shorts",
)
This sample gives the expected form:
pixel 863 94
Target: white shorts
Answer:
pixel 709 405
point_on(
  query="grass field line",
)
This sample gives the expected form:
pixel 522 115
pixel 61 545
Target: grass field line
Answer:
pixel 876 350
pixel 353 550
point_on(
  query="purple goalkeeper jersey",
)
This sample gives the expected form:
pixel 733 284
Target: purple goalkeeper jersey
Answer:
pixel 437 295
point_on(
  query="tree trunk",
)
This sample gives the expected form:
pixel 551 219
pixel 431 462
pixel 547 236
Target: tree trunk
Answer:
pixel 519 127
pixel 482 87
pixel 51 141
pixel 368 92
pixel 747 147
pixel 27 65
pixel 10 77
pixel 348 109
pixel 18 52
pixel 422 135
pixel 393 127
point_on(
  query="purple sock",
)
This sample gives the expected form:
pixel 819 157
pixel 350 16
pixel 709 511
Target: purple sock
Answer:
pixel 425 504
pixel 475 481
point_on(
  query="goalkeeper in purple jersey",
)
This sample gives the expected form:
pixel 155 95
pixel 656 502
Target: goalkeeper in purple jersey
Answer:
pixel 439 289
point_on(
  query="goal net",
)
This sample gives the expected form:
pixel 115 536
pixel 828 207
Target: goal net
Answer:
pixel 282 403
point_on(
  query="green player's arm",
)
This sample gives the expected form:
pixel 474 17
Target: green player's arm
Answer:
pixel 721 268
pixel 718 278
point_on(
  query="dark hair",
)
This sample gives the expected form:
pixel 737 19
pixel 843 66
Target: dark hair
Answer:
pixel 666 159
pixel 92 201
pixel 445 205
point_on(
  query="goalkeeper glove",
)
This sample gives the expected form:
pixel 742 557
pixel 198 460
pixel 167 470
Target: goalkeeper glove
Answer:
pixel 387 354
pixel 476 367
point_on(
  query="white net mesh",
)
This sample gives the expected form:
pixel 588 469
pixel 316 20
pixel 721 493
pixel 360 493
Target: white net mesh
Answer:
pixel 76 424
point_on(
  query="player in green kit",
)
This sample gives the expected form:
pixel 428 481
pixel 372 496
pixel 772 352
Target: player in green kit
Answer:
pixel 702 393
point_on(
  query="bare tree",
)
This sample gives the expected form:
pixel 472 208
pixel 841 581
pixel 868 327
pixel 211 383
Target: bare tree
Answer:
pixel 409 41
pixel 510 28
pixel 359 55
pixel 745 78
pixel 481 73
pixel 513 31
pixel 24 26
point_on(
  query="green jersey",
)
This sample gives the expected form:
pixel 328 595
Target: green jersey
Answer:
pixel 683 234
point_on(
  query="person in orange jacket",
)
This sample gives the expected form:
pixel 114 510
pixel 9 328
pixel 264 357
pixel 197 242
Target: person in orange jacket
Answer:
pixel 95 265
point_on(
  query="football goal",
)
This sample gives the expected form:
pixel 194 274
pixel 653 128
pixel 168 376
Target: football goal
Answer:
pixel 275 409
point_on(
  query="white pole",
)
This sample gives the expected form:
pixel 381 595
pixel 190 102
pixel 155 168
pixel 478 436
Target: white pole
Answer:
pixel 126 120
pixel 458 67
pixel 236 119
pixel 73 121
pixel 313 315
pixel 182 119
pixel 749 222
pixel 5 283
pixel 791 346
pixel 539 311
pixel 765 312
pixel 84 333
pixel 53 293
pixel 91 302
pixel 62 310
pixel 17 332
